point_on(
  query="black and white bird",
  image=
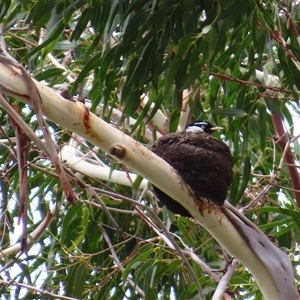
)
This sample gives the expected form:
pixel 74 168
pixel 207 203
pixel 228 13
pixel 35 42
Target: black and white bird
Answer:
pixel 203 161
pixel 202 126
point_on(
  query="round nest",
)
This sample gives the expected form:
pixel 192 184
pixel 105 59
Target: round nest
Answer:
pixel 203 162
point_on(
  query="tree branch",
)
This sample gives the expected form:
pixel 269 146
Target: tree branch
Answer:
pixel 269 265
pixel 283 142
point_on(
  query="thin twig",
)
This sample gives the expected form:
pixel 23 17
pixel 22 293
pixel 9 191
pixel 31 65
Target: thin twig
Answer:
pixel 284 143
pixel 167 237
pixel 32 288
pixel 117 261
pixel 99 200
pixel 223 284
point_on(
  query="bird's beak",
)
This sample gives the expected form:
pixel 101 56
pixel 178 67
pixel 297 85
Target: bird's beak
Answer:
pixel 216 128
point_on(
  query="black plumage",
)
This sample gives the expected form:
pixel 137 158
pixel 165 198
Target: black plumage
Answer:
pixel 203 162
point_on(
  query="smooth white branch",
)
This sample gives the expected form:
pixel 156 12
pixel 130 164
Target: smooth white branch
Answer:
pixel 79 164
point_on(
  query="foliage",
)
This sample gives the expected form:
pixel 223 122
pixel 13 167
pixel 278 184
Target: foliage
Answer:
pixel 234 63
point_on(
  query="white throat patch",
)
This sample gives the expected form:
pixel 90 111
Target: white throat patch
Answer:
pixel 194 129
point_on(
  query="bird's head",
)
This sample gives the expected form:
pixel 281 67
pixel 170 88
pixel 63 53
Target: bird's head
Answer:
pixel 202 126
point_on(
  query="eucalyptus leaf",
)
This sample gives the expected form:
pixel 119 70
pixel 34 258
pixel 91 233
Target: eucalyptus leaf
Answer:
pixel 229 112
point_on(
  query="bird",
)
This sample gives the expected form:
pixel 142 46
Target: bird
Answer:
pixel 203 162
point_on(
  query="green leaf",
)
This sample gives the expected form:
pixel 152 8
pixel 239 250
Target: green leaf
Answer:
pixel 5 4
pixel 92 63
pixel 274 224
pixel 71 214
pixel 53 72
pixel 185 233
pixel 137 182
pixel 262 116
pixel 144 253
pixel 81 230
pixel 81 24
pixel 286 68
pixel 234 190
pixel 245 178
pixel 76 279
pixel 174 120
pixel 228 112
pixel 185 45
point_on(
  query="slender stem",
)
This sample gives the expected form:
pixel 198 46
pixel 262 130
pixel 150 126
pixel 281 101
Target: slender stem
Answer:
pixel 283 141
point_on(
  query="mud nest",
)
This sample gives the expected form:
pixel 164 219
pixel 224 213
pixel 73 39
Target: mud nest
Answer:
pixel 203 162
